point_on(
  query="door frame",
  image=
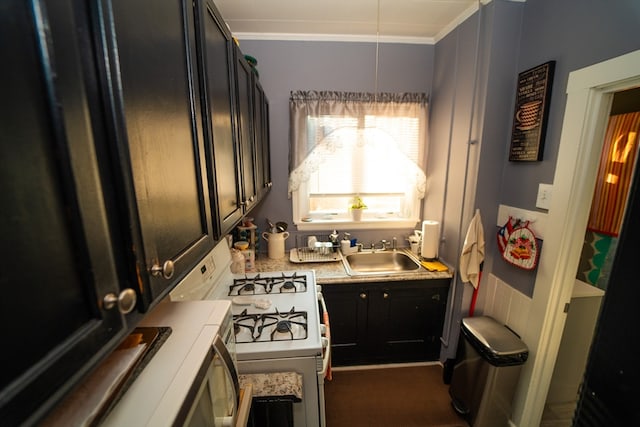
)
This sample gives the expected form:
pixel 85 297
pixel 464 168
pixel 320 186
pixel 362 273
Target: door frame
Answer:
pixel 589 96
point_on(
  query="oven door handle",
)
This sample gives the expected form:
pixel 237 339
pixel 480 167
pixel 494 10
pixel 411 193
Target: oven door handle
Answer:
pixel 227 360
pixel 326 358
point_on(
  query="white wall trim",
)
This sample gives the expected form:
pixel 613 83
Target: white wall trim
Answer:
pixel 589 94
pixel 362 38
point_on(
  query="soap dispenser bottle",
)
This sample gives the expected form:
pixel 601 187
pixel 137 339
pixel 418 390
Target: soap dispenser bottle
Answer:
pixel 345 244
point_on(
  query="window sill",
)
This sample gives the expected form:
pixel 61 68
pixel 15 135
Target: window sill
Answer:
pixel 366 224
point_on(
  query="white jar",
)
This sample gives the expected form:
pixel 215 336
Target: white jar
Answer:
pixel 275 244
pixel 237 262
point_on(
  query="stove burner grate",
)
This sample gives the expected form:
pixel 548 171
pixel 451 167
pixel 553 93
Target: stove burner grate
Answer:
pixel 288 326
pixel 257 285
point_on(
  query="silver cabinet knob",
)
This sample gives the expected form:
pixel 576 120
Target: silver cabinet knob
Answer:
pixel 363 295
pixel 166 270
pixel 385 295
pixel 125 301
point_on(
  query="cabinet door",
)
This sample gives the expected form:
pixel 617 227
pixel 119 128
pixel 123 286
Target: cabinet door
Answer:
pixel 150 46
pixel 348 314
pixel 215 52
pixel 408 317
pixel 245 130
pixel 261 132
pixel 57 254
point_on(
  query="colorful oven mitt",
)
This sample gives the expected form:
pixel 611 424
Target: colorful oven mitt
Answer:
pixel 521 248
pixel 505 232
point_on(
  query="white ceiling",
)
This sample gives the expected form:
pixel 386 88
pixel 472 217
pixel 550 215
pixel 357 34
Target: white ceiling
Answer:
pixel 409 21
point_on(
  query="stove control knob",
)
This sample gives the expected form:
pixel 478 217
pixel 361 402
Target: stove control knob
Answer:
pixel 166 270
pixel 125 301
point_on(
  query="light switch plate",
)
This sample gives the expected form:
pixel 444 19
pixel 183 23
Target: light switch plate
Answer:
pixel 544 196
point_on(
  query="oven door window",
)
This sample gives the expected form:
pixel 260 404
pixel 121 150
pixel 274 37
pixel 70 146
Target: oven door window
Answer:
pixel 216 400
pixel 202 412
pixel 224 395
pixel 224 384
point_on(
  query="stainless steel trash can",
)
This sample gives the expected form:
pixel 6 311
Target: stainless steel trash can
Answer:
pixel 486 372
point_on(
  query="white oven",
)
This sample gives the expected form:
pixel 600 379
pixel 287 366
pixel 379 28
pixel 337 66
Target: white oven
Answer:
pixel 278 326
pixel 192 378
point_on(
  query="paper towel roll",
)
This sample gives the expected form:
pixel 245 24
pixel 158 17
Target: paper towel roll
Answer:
pixel 430 239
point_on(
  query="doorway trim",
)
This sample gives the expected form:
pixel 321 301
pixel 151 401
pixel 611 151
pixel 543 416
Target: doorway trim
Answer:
pixel 589 95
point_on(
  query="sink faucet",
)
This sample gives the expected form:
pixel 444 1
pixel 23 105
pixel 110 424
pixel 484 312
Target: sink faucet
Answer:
pixel 383 245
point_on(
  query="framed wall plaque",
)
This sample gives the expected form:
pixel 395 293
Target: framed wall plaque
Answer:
pixel 530 117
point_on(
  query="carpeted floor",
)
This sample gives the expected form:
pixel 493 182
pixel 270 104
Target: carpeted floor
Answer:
pixel 397 396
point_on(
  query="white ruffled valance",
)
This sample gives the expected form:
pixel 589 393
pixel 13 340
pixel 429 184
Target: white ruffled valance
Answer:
pixel 367 137
pixel 309 148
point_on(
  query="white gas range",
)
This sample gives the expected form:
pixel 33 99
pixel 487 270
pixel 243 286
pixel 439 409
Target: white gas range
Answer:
pixel 278 324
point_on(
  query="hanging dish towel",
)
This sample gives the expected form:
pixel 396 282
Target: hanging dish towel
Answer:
pixel 472 254
pixel 521 249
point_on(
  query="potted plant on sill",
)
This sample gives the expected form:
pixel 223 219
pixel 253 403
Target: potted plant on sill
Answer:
pixel 356 208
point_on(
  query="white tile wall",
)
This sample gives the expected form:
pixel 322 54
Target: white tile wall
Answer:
pixel 506 305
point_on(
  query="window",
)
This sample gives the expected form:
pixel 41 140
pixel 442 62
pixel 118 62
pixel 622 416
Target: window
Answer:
pixel 348 145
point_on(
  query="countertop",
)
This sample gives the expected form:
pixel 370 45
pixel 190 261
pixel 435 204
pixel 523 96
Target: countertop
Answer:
pixel 334 272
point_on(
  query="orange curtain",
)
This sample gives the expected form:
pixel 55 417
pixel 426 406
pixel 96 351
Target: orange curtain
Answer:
pixel 614 173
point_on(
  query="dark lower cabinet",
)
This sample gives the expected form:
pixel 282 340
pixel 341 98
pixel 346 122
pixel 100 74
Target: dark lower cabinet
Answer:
pixel 386 322
pixel 60 264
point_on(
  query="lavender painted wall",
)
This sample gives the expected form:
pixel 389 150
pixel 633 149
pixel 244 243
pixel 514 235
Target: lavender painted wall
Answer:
pixel 493 33
pixel 285 66
pixel 576 34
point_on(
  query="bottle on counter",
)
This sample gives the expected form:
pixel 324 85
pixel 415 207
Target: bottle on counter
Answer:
pixel 237 262
pixel 345 244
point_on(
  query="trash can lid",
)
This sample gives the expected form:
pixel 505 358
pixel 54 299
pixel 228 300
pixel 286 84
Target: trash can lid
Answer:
pixel 496 339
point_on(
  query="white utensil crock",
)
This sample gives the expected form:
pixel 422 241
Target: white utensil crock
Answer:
pixel 275 244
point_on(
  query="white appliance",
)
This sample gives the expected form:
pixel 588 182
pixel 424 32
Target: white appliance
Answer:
pixel 192 379
pixel 278 324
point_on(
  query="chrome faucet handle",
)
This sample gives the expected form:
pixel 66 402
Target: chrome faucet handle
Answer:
pixel 383 244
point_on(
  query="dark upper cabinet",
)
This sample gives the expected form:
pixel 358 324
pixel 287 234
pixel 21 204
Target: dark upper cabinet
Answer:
pixel 262 142
pixel 244 117
pixel 216 65
pixel 128 148
pixel 60 263
pixel 158 143
pixel 235 117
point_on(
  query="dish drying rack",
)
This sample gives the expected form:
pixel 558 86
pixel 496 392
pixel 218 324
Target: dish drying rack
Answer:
pixel 323 251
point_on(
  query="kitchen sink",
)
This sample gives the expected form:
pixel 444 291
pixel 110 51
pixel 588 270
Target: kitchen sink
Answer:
pixel 380 262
